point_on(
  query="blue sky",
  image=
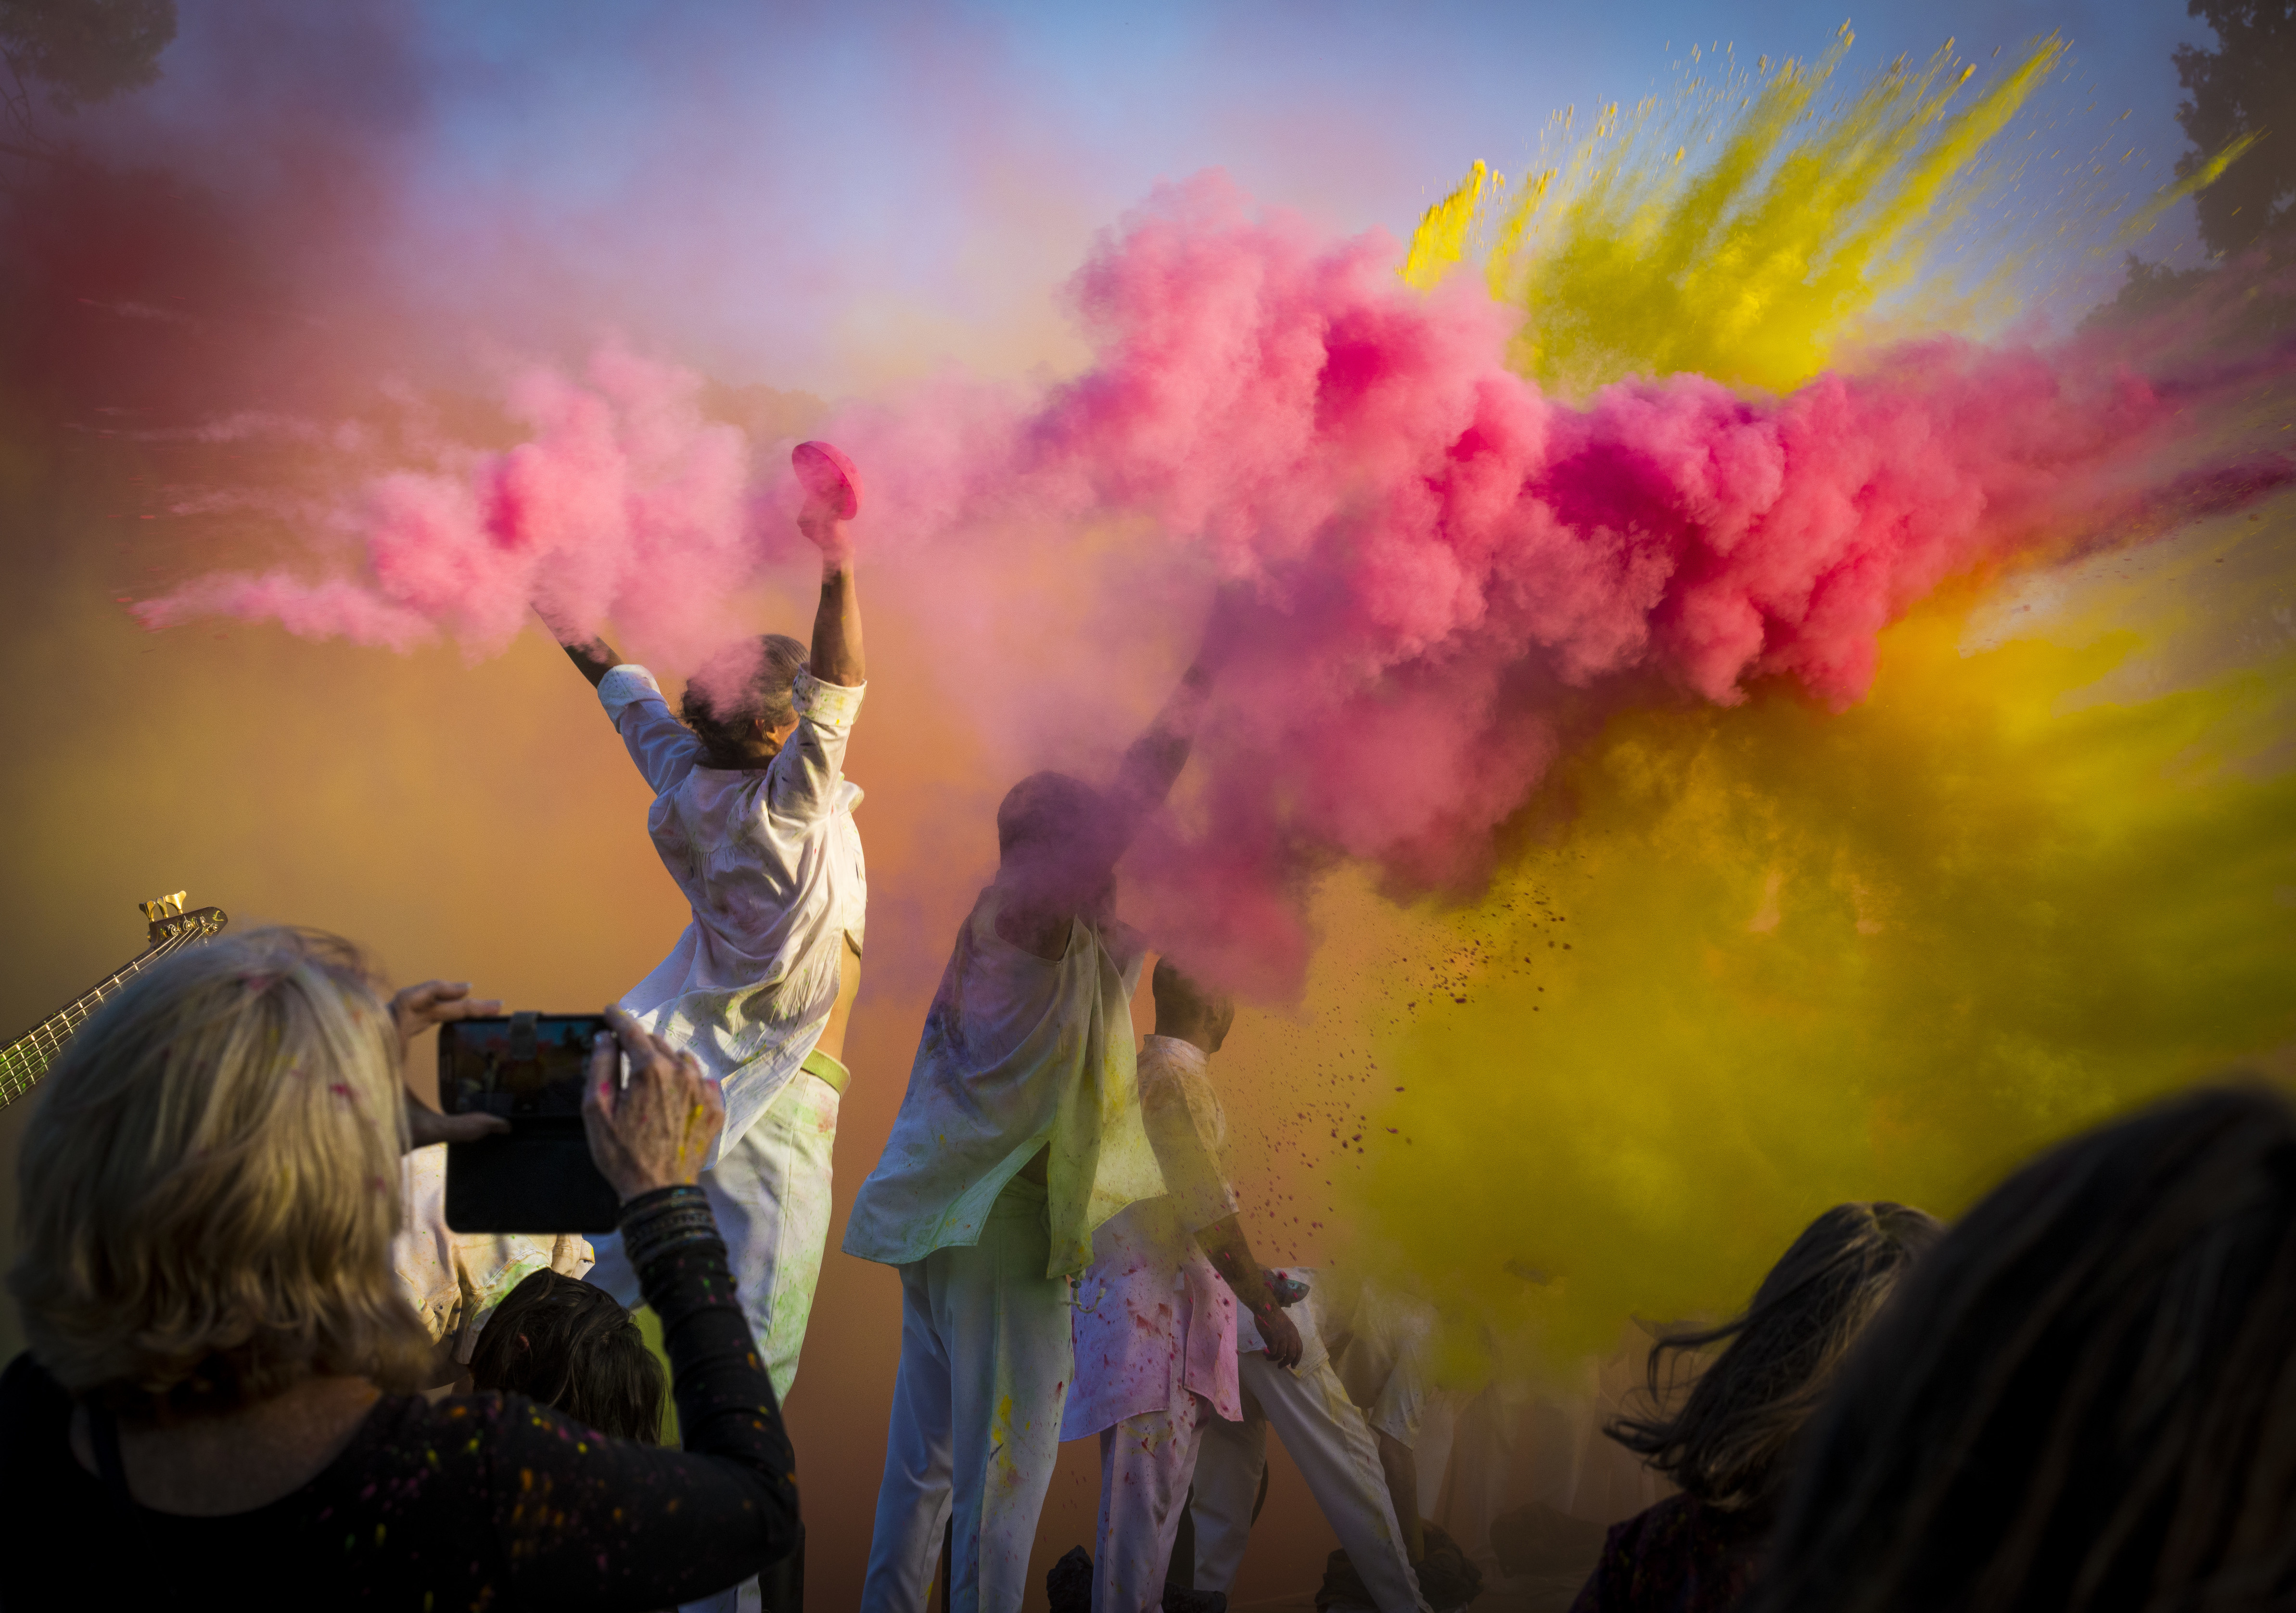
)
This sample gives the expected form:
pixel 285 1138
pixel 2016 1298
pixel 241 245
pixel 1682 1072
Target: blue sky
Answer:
pixel 837 197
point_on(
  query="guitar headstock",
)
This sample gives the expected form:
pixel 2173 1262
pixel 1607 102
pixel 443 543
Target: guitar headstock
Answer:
pixel 169 920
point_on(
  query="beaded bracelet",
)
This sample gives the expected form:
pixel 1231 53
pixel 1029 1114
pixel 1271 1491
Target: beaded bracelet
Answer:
pixel 670 1218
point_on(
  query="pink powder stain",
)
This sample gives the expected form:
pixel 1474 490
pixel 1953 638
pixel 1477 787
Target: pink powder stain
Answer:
pixel 1435 549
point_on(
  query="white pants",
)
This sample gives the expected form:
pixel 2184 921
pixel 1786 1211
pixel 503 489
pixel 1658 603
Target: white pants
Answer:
pixel 1328 1439
pixel 1146 1463
pixel 770 1193
pixel 986 1362
pixel 1471 1438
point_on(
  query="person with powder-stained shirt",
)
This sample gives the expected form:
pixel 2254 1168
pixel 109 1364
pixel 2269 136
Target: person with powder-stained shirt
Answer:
pixel 753 818
pixel 1019 1134
pixel 1181 1375
pixel 1155 1320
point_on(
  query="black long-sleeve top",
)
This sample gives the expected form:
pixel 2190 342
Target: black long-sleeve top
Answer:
pixel 475 1501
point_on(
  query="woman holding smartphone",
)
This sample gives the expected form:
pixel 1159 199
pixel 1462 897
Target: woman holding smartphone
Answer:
pixel 218 1395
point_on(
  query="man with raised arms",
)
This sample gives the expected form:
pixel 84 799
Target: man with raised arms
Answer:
pixel 753 818
pixel 1019 1134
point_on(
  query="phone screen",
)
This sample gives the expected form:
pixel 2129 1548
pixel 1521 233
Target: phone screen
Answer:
pixel 521 1067
pixel 539 1177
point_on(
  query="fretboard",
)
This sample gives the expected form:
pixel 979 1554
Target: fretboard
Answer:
pixel 23 1061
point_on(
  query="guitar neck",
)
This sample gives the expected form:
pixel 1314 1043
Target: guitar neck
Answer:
pixel 23 1061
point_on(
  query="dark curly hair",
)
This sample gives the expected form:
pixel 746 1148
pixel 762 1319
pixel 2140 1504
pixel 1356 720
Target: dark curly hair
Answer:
pixel 563 1344
pixel 762 675
pixel 1729 1443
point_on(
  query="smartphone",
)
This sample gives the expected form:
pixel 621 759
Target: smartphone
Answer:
pixel 537 1177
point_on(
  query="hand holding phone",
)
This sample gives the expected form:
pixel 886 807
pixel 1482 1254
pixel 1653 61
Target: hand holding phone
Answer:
pixel 655 1126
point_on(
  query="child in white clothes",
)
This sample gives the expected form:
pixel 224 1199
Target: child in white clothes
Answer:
pixel 1182 1378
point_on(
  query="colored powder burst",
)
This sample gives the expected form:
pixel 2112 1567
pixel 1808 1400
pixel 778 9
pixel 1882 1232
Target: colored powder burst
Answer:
pixel 1461 577
pixel 1776 959
pixel 1761 960
pixel 1437 549
pixel 1739 232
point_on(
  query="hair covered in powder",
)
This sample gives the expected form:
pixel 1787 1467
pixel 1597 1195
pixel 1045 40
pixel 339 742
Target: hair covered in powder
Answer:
pixel 751 681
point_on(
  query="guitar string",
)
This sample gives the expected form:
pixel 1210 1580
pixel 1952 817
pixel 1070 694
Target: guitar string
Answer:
pixel 29 1056
pixel 37 1049
pixel 47 1044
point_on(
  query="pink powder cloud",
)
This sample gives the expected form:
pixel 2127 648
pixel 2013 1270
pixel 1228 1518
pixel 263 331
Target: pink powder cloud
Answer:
pixel 1436 548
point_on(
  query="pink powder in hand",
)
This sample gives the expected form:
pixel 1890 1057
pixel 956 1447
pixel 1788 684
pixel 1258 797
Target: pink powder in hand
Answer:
pixel 824 473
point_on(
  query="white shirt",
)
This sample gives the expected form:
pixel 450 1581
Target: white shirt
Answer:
pixel 1153 1322
pixel 770 863
pixel 1018 1053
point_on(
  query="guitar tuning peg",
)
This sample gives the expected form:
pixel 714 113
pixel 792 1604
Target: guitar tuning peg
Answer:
pixel 174 904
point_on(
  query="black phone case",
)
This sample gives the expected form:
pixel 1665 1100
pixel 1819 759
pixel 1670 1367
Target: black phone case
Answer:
pixel 538 1178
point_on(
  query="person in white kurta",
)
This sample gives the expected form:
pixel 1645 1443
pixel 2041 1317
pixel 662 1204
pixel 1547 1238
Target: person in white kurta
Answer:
pixel 1154 1326
pixel 1182 1378
pixel 753 818
pixel 1020 1135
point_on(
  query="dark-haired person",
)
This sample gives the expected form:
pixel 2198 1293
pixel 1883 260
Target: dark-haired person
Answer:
pixel 571 1346
pixel 2085 1397
pixel 218 1396
pixel 753 818
pixel 1731 1444
pixel 1018 1135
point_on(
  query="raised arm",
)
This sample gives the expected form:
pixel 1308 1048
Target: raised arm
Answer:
pixel 664 749
pixel 1154 763
pixel 837 654
pixel 810 765
pixel 593 656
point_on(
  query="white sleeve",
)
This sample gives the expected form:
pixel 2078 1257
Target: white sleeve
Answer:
pixel 664 748
pixel 803 779
pixel 1187 1147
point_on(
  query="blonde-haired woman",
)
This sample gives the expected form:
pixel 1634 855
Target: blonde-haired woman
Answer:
pixel 217 1399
